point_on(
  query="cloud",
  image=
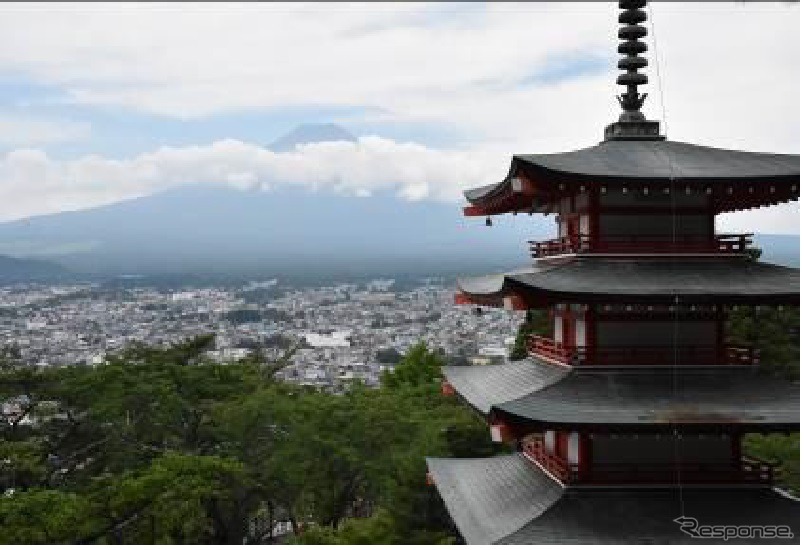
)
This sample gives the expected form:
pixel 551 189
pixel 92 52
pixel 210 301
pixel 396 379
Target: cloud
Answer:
pixel 729 70
pixel 33 183
pixel 26 131
pixel 503 78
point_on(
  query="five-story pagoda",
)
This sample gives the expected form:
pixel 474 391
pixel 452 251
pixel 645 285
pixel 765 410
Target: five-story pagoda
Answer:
pixel 628 420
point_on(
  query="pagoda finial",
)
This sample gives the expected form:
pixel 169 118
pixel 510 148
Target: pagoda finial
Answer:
pixel 630 47
pixel 632 123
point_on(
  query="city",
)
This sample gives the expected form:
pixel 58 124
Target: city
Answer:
pixel 340 333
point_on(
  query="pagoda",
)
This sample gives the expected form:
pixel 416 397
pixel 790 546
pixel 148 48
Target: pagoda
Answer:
pixel 627 421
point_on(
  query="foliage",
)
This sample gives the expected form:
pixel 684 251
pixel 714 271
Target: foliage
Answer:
pixel 781 449
pixel 419 367
pixel 775 332
pixel 161 446
pixel 537 322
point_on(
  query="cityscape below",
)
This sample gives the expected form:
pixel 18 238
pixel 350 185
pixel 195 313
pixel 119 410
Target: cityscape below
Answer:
pixel 337 333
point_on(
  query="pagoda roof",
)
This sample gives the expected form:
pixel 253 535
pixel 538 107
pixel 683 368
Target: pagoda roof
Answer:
pixel 508 500
pixel 485 386
pixel 648 161
pixel 600 279
pixel 532 390
pixel 655 396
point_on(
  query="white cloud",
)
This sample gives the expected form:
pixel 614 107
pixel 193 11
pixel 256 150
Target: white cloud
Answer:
pixel 32 183
pixel 730 71
pixel 729 75
pixel 27 131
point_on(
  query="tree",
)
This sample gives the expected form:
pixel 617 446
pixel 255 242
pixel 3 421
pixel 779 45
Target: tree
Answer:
pixel 775 332
pixel 162 446
pixel 419 366
pixel 537 322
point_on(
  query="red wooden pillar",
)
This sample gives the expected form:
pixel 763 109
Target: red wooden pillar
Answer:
pixel 500 430
pixel 594 217
pixel 562 439
pixel 584 455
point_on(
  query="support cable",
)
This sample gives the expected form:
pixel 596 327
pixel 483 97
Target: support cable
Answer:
pixel 676 298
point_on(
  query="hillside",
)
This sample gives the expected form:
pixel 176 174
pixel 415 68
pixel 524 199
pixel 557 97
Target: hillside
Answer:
pixel 24 269
pixel 219 229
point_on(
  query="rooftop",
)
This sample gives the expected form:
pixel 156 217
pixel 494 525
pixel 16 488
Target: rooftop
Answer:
pixel 599 279
pixel 508 500
pixel 533 391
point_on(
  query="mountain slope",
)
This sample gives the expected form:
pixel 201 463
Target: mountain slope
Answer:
pixel 25 269
pixel 219 230
pixel 311 133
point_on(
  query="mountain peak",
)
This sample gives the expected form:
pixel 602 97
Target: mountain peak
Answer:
pixel 311 133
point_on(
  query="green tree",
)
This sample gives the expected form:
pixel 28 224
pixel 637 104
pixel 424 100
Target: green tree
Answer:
pixel 537 321
pixel 775 332
pixel 419 366
pixel 161 446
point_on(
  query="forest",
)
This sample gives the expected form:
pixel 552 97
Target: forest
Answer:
pixel 162 446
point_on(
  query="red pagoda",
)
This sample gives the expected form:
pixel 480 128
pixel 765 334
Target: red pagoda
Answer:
pixel 628 420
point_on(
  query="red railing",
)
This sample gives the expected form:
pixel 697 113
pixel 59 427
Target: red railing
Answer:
pixel 731 243
pixel 750 470
pixel 641 355
pixel 554 464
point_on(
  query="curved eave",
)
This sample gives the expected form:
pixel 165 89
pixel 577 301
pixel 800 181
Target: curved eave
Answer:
pixel 602 280
pixel 644 162
pixel 665 161
pixel 485 386
pixel 713 397
pixel 508 500
pixel 647 516
pixel 490 498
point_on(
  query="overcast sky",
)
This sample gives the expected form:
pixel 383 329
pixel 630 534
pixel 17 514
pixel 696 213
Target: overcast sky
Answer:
pixel 104 102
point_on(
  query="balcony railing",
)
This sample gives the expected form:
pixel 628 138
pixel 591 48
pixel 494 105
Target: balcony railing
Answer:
pixel 554 464
pixel 750 470
pixel 642 355
pixel 723 244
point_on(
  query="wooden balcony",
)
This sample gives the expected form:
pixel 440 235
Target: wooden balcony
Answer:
pixel 554 464
pixel 547 348
pixel 636 244
pixel 749 470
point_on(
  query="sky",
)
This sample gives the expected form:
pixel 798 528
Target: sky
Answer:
pixel 105 102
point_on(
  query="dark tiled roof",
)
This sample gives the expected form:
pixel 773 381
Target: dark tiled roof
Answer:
pixel 507 500
pixel 665 160
pixel 656 396
pixel 646 516
pixel 601 278
pixel 653 160
pixel 485 386
pixel 489 498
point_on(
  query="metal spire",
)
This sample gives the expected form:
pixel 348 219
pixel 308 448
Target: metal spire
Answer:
pixel 632 123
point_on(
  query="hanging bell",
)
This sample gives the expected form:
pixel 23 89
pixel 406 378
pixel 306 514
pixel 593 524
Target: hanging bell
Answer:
pixel 488 221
